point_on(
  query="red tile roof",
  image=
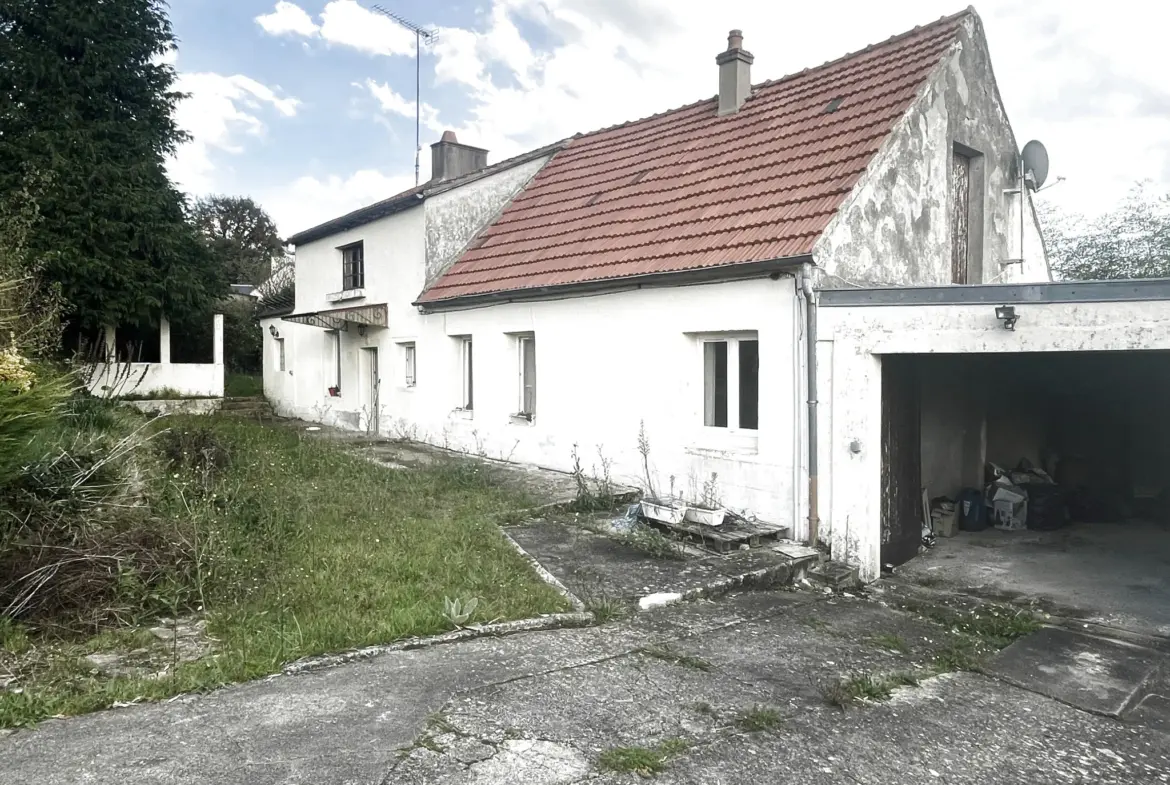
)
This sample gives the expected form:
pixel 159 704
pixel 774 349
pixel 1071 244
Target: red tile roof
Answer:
pixel 687 189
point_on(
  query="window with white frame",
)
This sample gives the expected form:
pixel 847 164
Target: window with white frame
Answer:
pixel 526 362
pixel 466 361
pixel 279 354
pixel 333 369
pixel 731 382
pixel 408 363
pixel 353 266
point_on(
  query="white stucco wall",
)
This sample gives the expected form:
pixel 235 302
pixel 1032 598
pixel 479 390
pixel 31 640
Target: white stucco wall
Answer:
pixel 114 380
pixel 188 379
pixel 895 228
pixel 852 342
pixel 604 364
pixel 454 217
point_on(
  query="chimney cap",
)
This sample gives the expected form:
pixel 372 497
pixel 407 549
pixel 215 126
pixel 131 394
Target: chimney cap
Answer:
pixel 449 136
pixel 735 40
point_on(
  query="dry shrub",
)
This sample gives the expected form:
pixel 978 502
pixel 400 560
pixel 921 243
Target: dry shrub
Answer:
pixel 197 448
pixel 79 546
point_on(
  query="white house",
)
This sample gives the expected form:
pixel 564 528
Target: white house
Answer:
pixel 663 277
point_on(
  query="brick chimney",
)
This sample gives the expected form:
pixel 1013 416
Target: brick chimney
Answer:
pixel 449 159
pixel 735 74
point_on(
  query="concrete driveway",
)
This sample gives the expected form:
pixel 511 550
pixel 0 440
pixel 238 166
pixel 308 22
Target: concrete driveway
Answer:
pixel 553 707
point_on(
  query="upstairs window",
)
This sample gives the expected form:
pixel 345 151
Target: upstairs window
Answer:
pixel 353 266
pixel 731 382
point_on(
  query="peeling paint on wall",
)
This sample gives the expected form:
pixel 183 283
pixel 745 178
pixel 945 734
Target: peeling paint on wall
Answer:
pixel 895 229
pixel 454 217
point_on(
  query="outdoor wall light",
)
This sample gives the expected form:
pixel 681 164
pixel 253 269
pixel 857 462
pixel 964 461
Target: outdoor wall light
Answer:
pixel 1007 315
pixel 272 331
pixel 362 330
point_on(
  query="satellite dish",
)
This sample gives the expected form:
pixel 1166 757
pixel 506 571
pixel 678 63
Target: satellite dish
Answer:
pixel 1035 164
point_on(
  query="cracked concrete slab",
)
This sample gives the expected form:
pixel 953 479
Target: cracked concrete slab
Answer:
pixel 594 565
pixel 542 707
pixel 1085 671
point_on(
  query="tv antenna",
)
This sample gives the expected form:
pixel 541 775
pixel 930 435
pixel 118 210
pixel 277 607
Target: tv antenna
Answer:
pixel 421 34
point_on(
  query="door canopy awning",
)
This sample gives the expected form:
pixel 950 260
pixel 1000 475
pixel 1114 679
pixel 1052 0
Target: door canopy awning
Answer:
pixel 341 318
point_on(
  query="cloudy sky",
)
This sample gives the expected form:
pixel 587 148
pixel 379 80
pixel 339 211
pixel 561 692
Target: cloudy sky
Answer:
pixel 308 105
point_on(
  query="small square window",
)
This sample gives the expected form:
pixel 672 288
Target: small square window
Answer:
pixel 731 382
pixel 408 356
pixel 353 266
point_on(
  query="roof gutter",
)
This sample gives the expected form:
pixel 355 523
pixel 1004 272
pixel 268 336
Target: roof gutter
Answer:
pixel 718 274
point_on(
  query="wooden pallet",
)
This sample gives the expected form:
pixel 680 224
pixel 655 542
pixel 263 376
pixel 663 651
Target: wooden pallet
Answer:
pixel 734 533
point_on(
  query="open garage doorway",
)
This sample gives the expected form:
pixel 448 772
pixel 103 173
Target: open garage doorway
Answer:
pixel 1068 454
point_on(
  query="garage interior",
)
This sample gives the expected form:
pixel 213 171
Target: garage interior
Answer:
pixel 1096 424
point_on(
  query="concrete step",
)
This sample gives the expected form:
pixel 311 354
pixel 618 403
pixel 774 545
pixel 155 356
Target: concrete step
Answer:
pixel 834 575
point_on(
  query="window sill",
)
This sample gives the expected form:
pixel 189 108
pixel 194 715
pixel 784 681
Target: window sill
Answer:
pixel 717 443
pixel 347 294
pixel 522 419
pixel 462 414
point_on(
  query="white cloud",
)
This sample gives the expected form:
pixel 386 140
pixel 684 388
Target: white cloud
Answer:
pixel 308 201
pixel 218 111
pixel 1084 81
pixel 394 103
pixel 287 19
pixel 344 23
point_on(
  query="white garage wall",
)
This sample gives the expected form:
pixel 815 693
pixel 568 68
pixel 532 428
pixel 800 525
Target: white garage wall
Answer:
pixel 852 340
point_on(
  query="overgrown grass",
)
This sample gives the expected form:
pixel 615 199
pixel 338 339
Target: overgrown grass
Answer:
pixel 293 548
pixel 758 718
pixel 890 642
pixel 996 625
pixel 242 385
pixel 871 687
pixel 650 541
pixel 644 761
pixel 161 394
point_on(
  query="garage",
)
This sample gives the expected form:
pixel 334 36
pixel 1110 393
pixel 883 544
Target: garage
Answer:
pixel 1038 450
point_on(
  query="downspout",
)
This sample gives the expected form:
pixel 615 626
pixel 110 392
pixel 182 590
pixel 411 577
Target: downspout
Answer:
pixel 810 334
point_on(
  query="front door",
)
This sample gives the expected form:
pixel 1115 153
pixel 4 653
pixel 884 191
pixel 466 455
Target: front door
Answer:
pixel 372 385
pixel 901 501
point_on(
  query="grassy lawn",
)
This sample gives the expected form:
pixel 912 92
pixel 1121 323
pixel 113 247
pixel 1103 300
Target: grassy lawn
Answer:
pixel 242 385
pixel 296 548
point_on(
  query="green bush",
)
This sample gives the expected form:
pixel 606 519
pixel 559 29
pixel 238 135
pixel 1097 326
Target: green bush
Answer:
pixel 243 343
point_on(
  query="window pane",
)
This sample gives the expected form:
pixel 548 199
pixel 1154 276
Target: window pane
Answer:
pixel 749 384
pixel 468 377
pixel 715 384
pixel 528 352
pixel 410 374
